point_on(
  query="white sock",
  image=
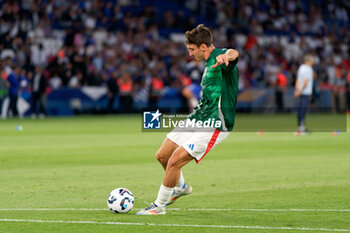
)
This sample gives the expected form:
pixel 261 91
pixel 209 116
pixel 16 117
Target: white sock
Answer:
pixel 180 183
pixel 164 195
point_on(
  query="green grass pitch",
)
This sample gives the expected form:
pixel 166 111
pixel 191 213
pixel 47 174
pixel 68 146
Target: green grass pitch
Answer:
pixel 73 163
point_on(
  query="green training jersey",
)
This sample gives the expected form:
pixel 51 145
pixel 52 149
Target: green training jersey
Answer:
pixel 219 93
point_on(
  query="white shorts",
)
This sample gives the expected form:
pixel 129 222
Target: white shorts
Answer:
pixel 198 144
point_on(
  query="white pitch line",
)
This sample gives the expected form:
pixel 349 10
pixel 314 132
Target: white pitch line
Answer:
pixel 276 210
pixel 57 209
pixel 176 225
pixel 66 209
pixel 190 209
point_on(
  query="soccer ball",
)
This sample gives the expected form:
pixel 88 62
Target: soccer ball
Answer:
pixel 120 200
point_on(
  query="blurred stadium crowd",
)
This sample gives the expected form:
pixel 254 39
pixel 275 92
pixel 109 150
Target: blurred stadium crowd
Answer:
pixel 136 49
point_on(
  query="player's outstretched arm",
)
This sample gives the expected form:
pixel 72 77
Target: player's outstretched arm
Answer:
pixel 230 55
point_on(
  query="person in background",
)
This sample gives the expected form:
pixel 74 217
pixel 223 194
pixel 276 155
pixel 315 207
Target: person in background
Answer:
pixel 338 89
pixel 13 85
pixel 156 87
pixel 3 92
pixel 38 82
pixel 303 90
pixel 280 87
pixel 113 89
pixel 125 84
pixel 191 82
pixel 23 80
pixel 3 78
pixel 348 93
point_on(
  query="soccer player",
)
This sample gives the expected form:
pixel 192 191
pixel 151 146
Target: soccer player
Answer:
pixel 219 87
pixel 303 90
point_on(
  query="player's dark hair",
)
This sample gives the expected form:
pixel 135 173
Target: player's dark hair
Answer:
pixel 199 35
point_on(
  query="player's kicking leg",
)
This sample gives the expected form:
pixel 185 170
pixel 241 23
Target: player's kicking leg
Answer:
pixel 179 158
pixel 163 154
pixel 165 151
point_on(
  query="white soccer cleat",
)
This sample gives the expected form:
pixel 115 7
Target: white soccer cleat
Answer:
pixel 153 209
pixel 185 191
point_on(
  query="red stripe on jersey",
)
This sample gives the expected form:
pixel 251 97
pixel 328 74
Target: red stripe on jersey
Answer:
pixel 211 143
